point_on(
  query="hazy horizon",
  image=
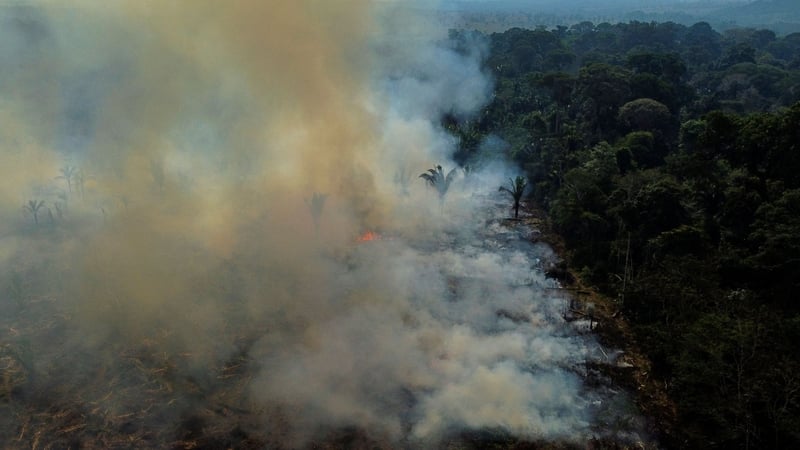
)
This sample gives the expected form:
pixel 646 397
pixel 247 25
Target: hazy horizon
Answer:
pixel 782 16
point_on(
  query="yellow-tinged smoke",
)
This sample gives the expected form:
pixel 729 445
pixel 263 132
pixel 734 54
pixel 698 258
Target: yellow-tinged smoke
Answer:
pixel 217 122
pixel 196 134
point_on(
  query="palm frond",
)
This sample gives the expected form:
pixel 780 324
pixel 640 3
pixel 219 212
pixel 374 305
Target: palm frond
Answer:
pixel 516 189
pixel 450 176
pixel 34 205
pixel 436 177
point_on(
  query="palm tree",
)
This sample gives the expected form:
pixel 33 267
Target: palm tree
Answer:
pixel 316 204
pixel 68 173
pixel 436 178
pixel 33 207
pixel 518 186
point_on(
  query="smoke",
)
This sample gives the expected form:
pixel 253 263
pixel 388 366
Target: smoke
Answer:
pixel 415 346
pixel 176 148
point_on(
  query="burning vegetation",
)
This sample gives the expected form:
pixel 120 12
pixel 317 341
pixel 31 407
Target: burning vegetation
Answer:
pixel 369 236
pixel 165 286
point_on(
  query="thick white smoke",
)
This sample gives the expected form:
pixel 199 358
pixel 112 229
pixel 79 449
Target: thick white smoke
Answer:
pixel 170 158
pixel 428 341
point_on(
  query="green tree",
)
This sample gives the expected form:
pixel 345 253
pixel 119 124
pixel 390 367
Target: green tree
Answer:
pixel 645 114
pixel 666 65
pixel 578 213
pixel 603 88
pixel 516 190
pixel 560 58
pixel 776 237
pixel 641 145
pixel 739 53
pixel 560 86
pixel 701 45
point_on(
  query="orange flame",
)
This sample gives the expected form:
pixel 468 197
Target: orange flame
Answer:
pixel 369 236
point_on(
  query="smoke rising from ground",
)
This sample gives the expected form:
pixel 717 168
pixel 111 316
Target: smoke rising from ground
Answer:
pixel 176 147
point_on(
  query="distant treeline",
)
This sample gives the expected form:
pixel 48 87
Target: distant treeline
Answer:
pixel 781 16
pixel 668 157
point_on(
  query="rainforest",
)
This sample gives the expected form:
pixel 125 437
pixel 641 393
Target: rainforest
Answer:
pixel 316 224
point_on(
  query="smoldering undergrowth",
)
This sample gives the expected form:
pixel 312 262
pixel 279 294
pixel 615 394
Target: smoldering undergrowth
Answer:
pixel 175 268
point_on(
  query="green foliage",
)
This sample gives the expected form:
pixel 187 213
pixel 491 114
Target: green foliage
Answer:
pixel 516 189
pixel 605 88
pixel 668 157
pixel 645 114
pixel 642 147
pixel 667 65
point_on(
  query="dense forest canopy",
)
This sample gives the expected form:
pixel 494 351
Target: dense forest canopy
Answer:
pixel 782 16
pixel 668 157
pixel 284 225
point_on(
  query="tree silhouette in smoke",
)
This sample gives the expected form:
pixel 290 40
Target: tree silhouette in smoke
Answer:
pixel 68 174
pixel 33 207
pixel 435 177
pixel 517 189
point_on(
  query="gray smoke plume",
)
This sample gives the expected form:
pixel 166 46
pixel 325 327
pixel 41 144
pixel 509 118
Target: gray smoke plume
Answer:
pixel 173 279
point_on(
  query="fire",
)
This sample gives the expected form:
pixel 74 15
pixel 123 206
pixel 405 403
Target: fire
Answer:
pixel 369 236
